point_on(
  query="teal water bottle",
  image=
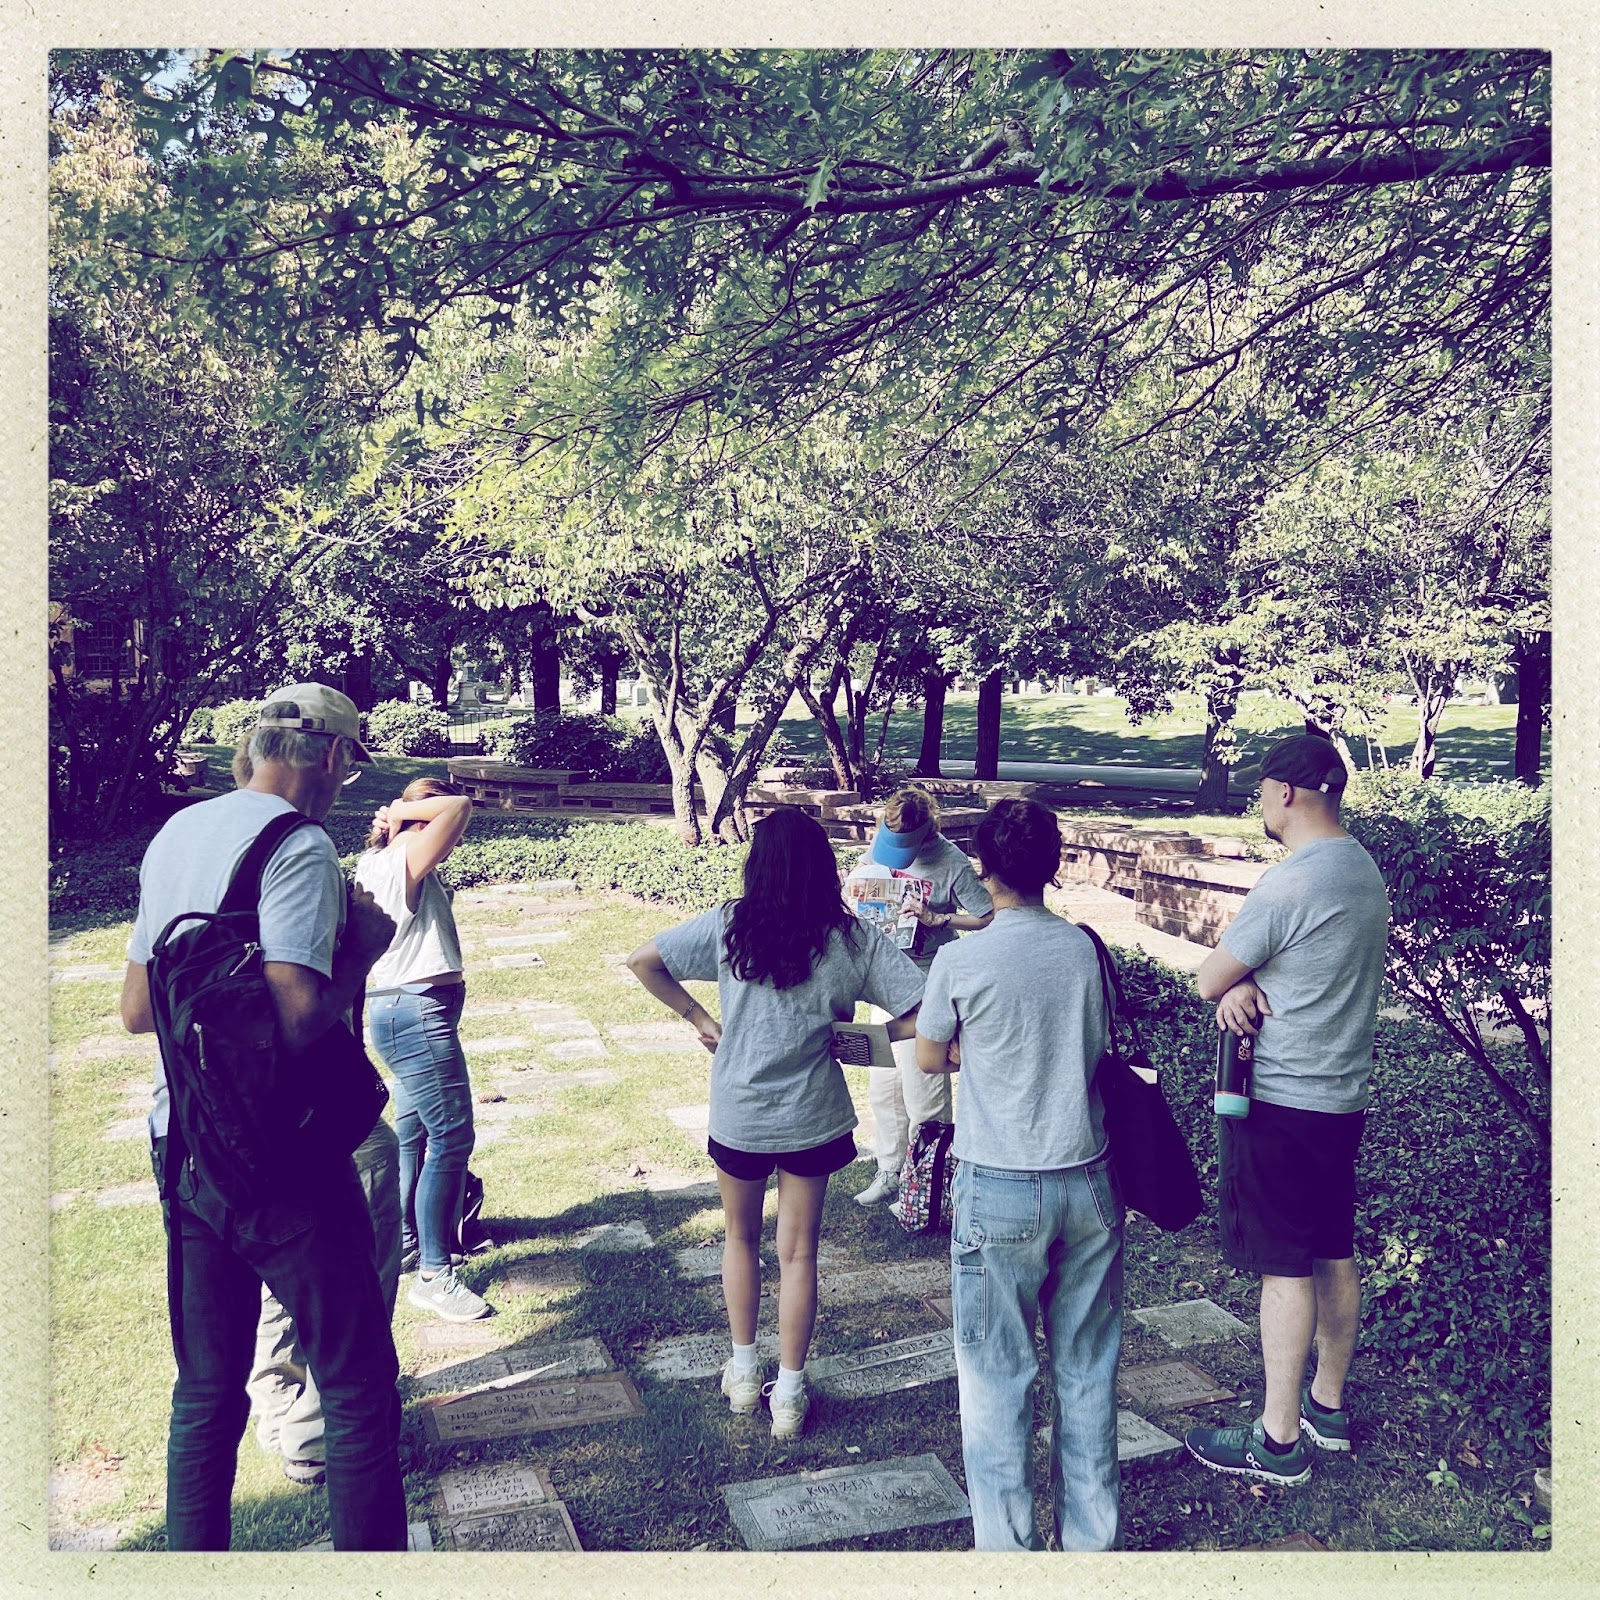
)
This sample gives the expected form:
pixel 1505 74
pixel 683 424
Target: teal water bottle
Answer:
pixel 1233 1074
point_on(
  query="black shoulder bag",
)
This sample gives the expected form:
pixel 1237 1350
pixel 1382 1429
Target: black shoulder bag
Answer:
pixel 1155 1169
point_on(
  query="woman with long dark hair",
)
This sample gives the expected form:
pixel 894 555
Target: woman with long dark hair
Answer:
pixel 789 960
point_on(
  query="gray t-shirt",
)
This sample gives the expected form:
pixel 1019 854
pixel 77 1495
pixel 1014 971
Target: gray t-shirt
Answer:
pixel 189 864
pixel 775 1085
pixel 1024 994
pixel 1312 931
pixel 956 887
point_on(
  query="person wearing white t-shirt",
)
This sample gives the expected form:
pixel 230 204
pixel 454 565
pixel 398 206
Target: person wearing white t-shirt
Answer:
pixel 414 998
pixel 908 846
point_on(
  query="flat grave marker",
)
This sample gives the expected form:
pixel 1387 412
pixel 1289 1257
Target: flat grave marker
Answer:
pixel 496 1046
pixel 107 1047
pixel 692 1119
pixel 885 1368
pixel 526 1083
pixel 698 1355
pixel 143 1193
pixel 1138 1439
pixel 699 1263
pixel 1290 1542
pixel 451 1338
pixel 124 1128
pixel 531 1408
pixel 573 1027
pixel 809 1508
pixel 498 1486
pixel 656 1038
pixel 522 958
pixel 540 1277
pixel 681 1185
pixel 1190 1322
pixel 1169 1386
pixel 97 973
pixel 615 1238
pixel 542 1014
pixel 575 1049
pixel 545 1528
pixel 419 1541
pixel 517 1363
pixel 941 1305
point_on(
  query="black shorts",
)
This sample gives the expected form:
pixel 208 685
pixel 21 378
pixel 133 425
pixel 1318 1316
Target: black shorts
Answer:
pixel 756 1166
pixel 1286 1181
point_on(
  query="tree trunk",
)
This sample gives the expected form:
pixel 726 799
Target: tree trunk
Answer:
pixel 1532 660
pixel 544 661
pixel 358 680
pixel 934 687
pixel 1212 795
pixel 441 681
pixel 986 759
pixel 1433 695
pixel 821 708
pixel 609 665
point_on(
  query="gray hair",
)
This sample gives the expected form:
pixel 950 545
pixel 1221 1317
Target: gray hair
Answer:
pixel 291 746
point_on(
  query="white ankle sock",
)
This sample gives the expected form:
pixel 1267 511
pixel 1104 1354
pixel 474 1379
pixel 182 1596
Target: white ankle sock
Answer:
pixel 744 1359
pixel 789 1383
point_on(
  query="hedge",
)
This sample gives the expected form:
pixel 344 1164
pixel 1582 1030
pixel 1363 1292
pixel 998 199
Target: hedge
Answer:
pixel 402 728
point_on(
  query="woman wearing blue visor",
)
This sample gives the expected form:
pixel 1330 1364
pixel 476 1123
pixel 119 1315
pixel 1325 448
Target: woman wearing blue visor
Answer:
pixel 921 890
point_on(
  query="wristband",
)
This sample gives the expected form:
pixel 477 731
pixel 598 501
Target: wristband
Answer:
pixel 689 1010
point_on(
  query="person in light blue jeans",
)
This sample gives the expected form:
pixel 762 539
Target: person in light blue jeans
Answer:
pixel 415 994
pixel 1038 1223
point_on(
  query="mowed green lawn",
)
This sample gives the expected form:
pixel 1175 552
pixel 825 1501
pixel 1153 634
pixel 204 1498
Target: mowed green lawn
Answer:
pixel 1475 742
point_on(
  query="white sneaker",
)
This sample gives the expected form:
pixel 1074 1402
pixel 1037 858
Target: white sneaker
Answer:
pixel 788 1416
pixel 884 1187
pixel 743 1389
pixel 897 1211
pixel 445 1295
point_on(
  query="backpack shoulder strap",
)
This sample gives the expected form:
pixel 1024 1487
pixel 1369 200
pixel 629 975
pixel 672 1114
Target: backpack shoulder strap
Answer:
pixel 1116 1003
pixel 244 889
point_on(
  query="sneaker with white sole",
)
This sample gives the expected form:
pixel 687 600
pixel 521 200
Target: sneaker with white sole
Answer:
pixel 1327 1430
pixel 743 1389
pixel 1244 1451
pixel 445 1295
pixel 788 1416
pixel 884 1187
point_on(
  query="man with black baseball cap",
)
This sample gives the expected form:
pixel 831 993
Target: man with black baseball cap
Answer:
pixel 1299 968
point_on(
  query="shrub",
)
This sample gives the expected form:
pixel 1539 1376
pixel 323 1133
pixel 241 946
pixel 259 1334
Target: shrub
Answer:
pixel 1467 867
pixel 640 758
pixel 575 741
pixel 402 728
pixel 198 730
pixel 232 721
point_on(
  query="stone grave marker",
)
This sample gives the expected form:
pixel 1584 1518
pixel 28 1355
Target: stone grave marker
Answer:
pixel 766 1306
pixel 656 1038
pixel 575 1049
pixel 123 1128
pixel 699 1263
pixel 1168 1386
pixel 540 1276
pixel 884 1368
pixel 539 1528
pixel 531 1408
pixel 941 1306
pixel 64 1197
pixel 615 1238
pixel 917 1278
pixel 810 1508
pixel 681 1185
pixel 521 941
pixel 451 1338
pixel 143 1193
pixel 573 1027
pixel 698 1355
pixel 523 1083
pixel 1138 1439
pixel 567 1358
pixel 551 886
pixel 692 1119
pixel 867 1284
pixel 97 973
pixel 496 1046
pixel 1190 1322
pixel 1290 1541
pixel 522 958
pixel 107 1047
pixel 497 1486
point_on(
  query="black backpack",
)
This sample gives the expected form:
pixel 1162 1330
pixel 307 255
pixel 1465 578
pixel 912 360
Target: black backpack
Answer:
pixel 250 1115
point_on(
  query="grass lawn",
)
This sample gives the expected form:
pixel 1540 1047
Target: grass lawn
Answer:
pixel 579 1156
pixel 1475 742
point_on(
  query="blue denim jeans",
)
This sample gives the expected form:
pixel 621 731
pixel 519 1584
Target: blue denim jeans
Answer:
pixel 314 1251
pixel 414 1031
pixel 1025 1244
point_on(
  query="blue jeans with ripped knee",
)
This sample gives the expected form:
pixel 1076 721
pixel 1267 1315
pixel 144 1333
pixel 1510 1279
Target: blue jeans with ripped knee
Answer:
pixel 1026 1245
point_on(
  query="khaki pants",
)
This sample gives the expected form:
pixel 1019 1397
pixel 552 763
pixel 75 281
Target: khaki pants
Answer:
pixel 283 1393
pixel 902 1097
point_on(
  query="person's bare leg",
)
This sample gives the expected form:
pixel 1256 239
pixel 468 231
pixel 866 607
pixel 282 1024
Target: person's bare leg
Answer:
pixel 799 1225
pixel 1338 1319
pixel 1288 1321
pixel 741 1253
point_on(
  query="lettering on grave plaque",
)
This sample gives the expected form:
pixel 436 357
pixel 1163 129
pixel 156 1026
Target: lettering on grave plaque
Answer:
pixel 542 1528
pixel 447 1338
pixel 1137 1438
pixel 570 1358
pixel 615 1238
pixel 499 1486
pixel 698 1355
pixel 699 1264
pixel 531 1408
pixel 884 1368
pixel 1190 1322
pixel 1168 1386
pixel 844 1502
pixel 540 1277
